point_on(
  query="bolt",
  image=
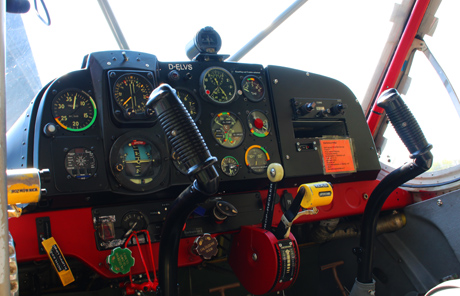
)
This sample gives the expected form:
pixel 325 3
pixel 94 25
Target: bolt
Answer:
pixel 275 81
pixel 254 257
pixel 287 157
pixel 439 202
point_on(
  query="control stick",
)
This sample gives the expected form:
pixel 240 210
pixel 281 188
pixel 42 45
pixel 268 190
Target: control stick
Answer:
pixel 412 136
pixel 186 140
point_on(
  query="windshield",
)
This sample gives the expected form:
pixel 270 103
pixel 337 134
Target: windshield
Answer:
pixel 319 37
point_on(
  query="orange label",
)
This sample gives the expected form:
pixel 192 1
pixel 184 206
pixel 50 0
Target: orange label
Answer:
pixel 337 156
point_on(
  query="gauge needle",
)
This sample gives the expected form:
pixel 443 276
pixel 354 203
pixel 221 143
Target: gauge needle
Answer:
pixel 127 101
pixel 140 161
pixel 74 100
pixel 130 230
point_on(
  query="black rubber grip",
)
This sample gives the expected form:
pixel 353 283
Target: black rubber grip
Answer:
pixel 404 122
pixel 180 129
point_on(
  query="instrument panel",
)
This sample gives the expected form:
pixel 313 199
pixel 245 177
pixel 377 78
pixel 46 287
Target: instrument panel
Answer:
pixel 93 130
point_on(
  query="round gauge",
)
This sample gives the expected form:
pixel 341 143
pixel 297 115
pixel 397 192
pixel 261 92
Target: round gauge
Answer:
pixel 178 163
pixel 74 110
pixel 230 166
pixel 218 85
pixel 133 221
pixel 131 92
pixel 227 130
pixel 257 159
pixel 190 103
pixel 80 163
pixel 135 162
pixel 258 124
pixel 253 88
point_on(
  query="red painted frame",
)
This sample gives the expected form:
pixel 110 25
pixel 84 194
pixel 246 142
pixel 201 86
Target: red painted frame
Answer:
pixel 397 63
pixel 74 232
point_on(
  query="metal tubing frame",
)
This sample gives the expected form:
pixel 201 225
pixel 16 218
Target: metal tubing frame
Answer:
pixel 261 36
pixel 4 250
pixel 113 24
pixel 397 63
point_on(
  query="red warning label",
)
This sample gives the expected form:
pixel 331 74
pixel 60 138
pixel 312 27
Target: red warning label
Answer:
pixel 337 156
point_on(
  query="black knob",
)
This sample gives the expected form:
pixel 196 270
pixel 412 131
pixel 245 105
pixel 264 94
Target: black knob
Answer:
pixel 224 209
pixel 174 75
pixel 307 108
pixel 337 109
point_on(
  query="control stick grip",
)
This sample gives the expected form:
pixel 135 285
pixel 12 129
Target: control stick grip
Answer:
pixel 180 129
pixel 404 122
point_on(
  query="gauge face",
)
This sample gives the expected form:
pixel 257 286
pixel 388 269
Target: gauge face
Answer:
pixel 178 163
pixel 131 92
pixel 227 130
pixel 136 162
pixel 80 163
pixel 230 166
pixel 258 124
pixel 190 103
pixel 257 159
pixel 133 221
pixel 74 110
pixel 218 85
pixel 253 89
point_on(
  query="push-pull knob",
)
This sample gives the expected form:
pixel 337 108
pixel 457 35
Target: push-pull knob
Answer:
pixel 205 246
pixel 224 209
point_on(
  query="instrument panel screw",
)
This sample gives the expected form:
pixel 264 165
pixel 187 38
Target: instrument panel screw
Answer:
pixel 287 157
pixel 365 196
pixel 439 202
pixel 254 257
pixel 112 74
pixel 275 81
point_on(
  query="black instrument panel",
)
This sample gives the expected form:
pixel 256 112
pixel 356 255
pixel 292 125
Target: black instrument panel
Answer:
pixel 94 132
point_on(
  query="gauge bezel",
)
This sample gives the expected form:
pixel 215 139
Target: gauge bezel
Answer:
pixel 121 178
pixel 249 96
pixel 194 97
pixel 204 91
pixel 249 165
pixel 57 115
pixel 122 114
pixel 259 135
pixel 237 120
pixel 222 165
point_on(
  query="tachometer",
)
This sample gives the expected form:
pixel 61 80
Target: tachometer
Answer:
pixel 227 130
pixel 131 92
pixel 218 85
pixel 74 110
